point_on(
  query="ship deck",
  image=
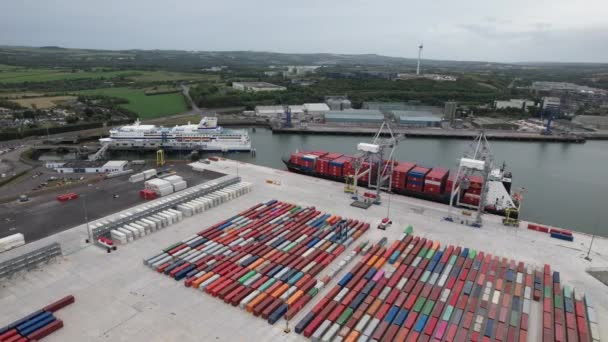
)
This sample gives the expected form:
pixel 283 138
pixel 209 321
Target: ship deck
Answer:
pixel 120 299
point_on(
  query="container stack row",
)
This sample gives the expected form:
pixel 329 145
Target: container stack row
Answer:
pixel 264 259
pixel 162 219
pixel 416 291
pixel 556 233
pixel 36 325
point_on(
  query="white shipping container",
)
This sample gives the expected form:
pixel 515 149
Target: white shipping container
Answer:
pixel 118 236
pixel 11 241
pixel 164 191
pixel 138 177
pixel 173 179
pixel 127 232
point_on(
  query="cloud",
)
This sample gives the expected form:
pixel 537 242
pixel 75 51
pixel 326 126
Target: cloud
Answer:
pixel 512 30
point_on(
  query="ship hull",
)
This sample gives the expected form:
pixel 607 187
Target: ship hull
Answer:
pixel 442 198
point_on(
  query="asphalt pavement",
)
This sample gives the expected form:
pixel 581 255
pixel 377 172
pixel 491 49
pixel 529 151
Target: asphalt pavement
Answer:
pixel 44 215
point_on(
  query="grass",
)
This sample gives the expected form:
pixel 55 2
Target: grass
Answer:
pixel 43 102
pixel 147 107
pixel 10 74
pixel 164 76
pixel 47 75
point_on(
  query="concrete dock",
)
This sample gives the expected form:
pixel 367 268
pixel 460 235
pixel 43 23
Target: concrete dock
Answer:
pixel 434 133
pixel 120 299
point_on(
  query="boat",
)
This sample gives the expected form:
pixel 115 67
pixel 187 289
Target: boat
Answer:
pixel 206 136
pixel 409 179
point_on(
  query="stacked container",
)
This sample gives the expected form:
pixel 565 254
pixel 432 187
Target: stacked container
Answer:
pixel 322 166
pixel 160 186
pixel 337 166
pixel 149 173
pixel 435 181
pixel 400 174
pixel 415 178
pixel 308 161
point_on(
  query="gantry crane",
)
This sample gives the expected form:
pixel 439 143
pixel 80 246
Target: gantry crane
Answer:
pixel 374 162
pixel 478 160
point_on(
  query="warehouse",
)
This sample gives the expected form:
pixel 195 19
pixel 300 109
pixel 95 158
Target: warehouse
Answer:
pixel 355 116
pixel 316 110
pixel 256 86
pixel 87 166
pixel 416 118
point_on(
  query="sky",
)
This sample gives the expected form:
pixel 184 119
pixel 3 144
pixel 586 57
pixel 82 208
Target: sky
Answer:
pixel 479 30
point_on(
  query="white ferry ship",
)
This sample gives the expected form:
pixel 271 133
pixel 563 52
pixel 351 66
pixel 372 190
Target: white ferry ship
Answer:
pixel 206 136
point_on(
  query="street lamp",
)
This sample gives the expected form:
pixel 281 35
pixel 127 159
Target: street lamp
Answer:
pixel 588 258
pixel 86 218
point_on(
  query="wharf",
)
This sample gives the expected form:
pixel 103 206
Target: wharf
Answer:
pixel 120 299
pixel 433 133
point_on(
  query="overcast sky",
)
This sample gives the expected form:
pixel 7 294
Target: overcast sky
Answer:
pixel 490 30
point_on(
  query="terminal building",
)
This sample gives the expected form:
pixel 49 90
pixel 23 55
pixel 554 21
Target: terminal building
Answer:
pixel 359 116
pixel 256 87
pixel 87 166
pixel 416 118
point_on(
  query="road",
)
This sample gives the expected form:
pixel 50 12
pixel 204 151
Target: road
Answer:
pixel 186 92
pixel 44 215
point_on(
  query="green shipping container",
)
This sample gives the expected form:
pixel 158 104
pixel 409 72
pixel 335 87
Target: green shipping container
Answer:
pixel 547 291
pixel 514 318
pixel 453 260
pixel 290 246
pixel 313 292
pixel 267 284
pixel 246 276
pixel 409 230
pixel 419 304
pixel 428 307
pixel 345 316
pixel 447 313
pixel 172 246
pixel 425 276
pixel 472 253
pixel 423 252
pixel 567 291
pixel 430 254
pixel 558 302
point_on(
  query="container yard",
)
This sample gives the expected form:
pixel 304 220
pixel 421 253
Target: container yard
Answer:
pixel 441 280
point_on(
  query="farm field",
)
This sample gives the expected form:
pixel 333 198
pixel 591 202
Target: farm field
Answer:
pixel 10 74
pixel 147 107
pixel 43 102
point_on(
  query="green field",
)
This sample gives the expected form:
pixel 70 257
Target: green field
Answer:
pixel 9 74
pixel 147 107
pixel 47 75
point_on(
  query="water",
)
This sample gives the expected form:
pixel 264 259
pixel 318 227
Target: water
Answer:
pixel 566 183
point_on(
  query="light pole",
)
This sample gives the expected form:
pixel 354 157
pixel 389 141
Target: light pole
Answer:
pixel 86 217
pixel 588 258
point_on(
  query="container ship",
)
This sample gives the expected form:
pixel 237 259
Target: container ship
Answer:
pixel 206 136
pixel 409 179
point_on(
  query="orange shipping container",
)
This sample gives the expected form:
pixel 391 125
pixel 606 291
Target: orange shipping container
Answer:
pixel 197 282
pixel 295 297
pixel 278 292
pixel 374 307
pixel 255 301
pixel 352 337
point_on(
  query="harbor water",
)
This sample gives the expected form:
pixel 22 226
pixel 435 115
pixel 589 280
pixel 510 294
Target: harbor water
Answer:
pixel 566 184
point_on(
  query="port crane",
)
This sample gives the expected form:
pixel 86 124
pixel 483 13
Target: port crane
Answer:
pixel 478 160
pixel 374 163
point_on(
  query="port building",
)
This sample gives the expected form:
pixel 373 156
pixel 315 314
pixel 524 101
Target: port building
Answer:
pixel 514 103
pixel 88 166
pixel 416 118
pixel 256 87
pixel 365 116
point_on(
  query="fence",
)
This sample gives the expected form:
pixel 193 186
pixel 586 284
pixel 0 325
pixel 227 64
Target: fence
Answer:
pixel 190 194
pixel 29 260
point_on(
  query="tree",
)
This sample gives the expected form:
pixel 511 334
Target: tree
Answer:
pixel 72 119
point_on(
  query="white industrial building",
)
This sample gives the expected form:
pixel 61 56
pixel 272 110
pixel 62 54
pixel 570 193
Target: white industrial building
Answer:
pixel 551 104
pixel 256 86
pixel 87 166
pixel 514 103
pixel 268 111
pixel 316 110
